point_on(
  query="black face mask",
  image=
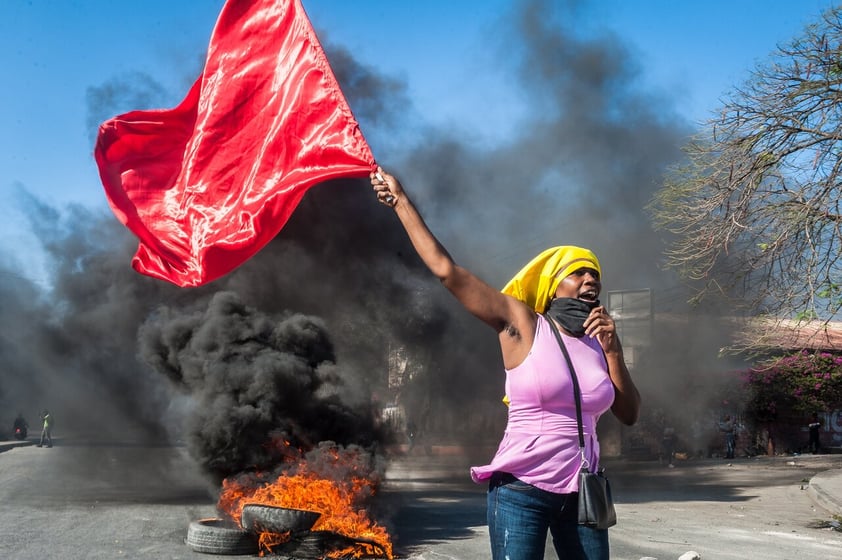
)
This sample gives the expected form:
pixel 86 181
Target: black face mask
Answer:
pixel 571 313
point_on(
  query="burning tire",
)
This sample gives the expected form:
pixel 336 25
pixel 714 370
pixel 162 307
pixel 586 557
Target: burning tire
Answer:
pixel 270 519
pixel 217 536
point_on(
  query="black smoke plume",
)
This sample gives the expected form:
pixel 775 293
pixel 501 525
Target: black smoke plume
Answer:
pixel 262 385
pixel 299 341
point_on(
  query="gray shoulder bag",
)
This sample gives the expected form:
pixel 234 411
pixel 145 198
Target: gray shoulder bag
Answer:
pixel 596 506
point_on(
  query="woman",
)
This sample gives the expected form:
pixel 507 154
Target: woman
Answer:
pixel 533 478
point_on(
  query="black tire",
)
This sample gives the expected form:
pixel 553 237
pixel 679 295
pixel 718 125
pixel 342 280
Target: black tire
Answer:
pixel 217 536
pixel 258 518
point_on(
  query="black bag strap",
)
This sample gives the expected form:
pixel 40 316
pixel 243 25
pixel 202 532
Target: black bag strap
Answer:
pixel 577 393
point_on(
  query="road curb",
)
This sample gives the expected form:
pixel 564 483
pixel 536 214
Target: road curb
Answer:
pixel 6 445
pixel 825 489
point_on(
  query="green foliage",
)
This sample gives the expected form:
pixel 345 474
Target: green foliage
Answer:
pixel 799 383
pixel 806 315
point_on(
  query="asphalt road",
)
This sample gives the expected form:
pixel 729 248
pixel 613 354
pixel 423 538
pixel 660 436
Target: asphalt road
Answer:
pixel 89 501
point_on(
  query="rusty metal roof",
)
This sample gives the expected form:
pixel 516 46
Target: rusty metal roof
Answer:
pixel 791 334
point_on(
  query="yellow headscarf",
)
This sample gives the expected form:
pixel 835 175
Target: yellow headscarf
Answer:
pixel 536 283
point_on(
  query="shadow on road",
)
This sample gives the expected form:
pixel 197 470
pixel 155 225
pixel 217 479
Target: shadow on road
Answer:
pixel 429 500
pixel 712 480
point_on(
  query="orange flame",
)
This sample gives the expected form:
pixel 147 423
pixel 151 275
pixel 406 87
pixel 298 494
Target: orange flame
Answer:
pixel 339 502
pixel 269 540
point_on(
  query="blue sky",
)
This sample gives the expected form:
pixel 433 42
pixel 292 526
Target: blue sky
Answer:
pixel 54 50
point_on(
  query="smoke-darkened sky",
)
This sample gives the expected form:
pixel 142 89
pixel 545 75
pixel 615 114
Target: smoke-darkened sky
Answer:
pixel 449 55
pixel 297 340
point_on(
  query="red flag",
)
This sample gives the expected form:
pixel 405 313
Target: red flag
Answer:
pixel 207 184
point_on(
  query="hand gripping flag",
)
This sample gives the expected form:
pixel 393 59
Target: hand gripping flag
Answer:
pixel 206 185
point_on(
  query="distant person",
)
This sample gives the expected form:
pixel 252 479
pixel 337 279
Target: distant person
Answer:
pixel 411 434
pixel 21 427
pixel 668 446
pixel 46 430
pixel 814 428
pixel 729 428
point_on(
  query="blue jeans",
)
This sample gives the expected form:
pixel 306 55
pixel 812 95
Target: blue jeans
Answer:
pixel 519 516
pixel 730 445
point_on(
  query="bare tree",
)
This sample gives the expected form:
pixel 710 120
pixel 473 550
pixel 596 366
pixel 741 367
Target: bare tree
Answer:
pixel 755 207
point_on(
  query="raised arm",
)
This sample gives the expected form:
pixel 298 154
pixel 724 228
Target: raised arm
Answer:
pixel 511 319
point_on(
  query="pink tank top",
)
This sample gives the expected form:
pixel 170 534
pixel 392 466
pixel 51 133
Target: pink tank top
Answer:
pixel 541 444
